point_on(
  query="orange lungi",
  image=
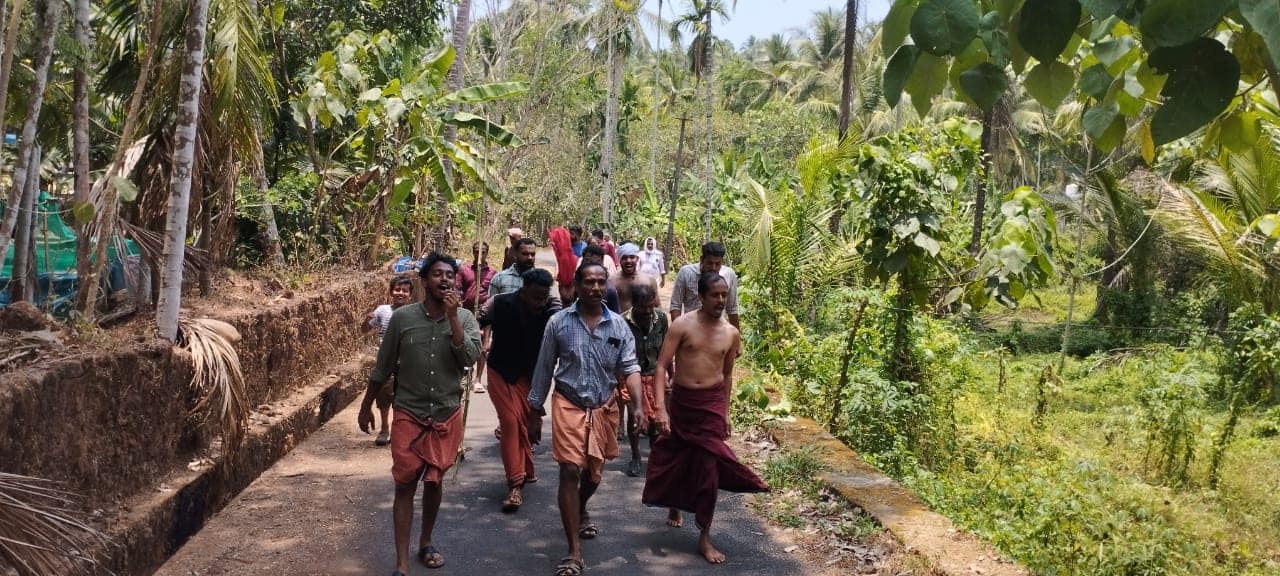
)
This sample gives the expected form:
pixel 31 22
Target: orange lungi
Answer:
pixel 510 400
pixel 585 438
pixel 423 449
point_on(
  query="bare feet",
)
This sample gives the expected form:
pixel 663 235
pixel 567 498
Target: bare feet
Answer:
pixel 673 519
pixel 708 551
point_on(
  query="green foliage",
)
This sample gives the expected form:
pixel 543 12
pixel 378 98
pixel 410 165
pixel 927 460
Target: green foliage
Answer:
pixel 795 470
pixel 1172 418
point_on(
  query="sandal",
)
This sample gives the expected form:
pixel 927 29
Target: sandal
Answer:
pixel 633 469
pixel 569 566
pixel 383 439
pixel 512 503
pixel 430 557
pixel 530 479
pixel 588 531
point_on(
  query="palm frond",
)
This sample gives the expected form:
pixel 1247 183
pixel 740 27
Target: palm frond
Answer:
pixel 39 531
pixel 217 374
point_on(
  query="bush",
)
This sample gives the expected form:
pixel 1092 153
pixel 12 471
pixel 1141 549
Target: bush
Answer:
pixel 1086 339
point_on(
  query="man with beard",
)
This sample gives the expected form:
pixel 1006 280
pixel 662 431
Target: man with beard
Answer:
pixel 508 280
pixel 594 255
pixel 429 345
pixel 629 256
pixel 684 295
pixel 517 320
pixel 583 349
pixel 652 262
pixel 691 462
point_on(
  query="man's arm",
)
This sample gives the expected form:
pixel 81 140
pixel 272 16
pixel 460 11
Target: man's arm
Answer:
pixel 629 365
pixel 730 356
pixel 540 386
pixel 668 353
pixel 465 331
pixel 731 307
pixel 388 358
pixel 677 296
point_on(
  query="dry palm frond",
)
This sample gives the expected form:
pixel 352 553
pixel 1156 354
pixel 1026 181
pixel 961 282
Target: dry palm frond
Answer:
pixel 39 534
pixel 151 245
pixel 217 374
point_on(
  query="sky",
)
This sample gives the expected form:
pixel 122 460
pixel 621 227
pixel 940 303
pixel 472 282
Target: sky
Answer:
pixel 760 18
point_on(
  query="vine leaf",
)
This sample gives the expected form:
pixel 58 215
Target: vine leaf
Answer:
pixel 1050 82
pixel 943 27
pixel 1045 27
pixel 1264 16
pixel 1169 23
pixel 897 71
pixel 896 25
pixel 984 83
pixel 1203 77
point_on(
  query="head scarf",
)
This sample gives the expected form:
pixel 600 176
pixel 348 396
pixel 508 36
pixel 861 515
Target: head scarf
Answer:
pixel 628 249
pixel 646 244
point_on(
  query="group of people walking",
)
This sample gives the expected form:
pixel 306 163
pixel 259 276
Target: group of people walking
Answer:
pixel 598 353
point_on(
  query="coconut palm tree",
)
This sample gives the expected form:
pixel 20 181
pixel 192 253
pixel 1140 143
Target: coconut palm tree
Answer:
pixel 49 12
pixel 175 238
pixel 846 71
pixel 461 21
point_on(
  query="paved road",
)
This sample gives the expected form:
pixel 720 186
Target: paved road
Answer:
pixel 325 509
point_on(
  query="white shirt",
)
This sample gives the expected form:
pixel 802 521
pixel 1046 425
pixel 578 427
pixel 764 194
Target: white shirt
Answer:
pixel 381 319
pixel 651 263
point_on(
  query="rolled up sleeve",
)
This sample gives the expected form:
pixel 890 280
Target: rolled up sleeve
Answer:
pixel 469 351
pixel 627 362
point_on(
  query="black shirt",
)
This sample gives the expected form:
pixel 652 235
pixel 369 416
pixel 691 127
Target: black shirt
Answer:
pixel 517 335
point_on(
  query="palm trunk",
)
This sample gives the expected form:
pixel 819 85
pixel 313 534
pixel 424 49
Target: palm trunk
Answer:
pixel 461 21
pixel 846 71
pixel 657 79
pixel 6 61
pixel 22 268
pixel 175 230
pixel 708 77
pixel 980 200
pixel 608 145
pixel 675 193
pixel 105 220
pixel 47 23
pixel 80 136
pixel 270 233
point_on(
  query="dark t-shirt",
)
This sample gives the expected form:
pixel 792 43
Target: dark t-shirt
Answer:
pixel 517 335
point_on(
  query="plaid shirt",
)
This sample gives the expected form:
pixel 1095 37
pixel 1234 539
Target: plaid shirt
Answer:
pixel 505 282
pixel 588 361
pixel 684 295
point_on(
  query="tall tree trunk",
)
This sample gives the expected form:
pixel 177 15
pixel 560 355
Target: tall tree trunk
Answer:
pixel 846 70
pixel 80 137
pixel 461 21
pixel 708 74
pixel 608 145
pixel 980 199
pixel 175 229
pixel 6 61
pixel 105 219
pixel 20 279
pixel 675 193
pixel 657 79
pixel 270 232
pixel 47 23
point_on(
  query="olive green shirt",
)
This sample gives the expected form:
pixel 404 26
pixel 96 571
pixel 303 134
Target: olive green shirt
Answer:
pixel 430 368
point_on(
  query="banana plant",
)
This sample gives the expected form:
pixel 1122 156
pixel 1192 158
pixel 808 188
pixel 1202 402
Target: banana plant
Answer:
pixel 387 100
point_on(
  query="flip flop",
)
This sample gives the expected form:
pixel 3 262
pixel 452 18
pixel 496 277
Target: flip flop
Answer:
pixel 633 469
pixel 530 479
pixel 383 439
pixel 569 566
pixel 428 554
pixel 588 531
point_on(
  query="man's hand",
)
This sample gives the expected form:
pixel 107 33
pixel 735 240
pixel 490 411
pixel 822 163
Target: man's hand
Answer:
pixel 452 300
pixel 365 419
pixel 662 421
pixel 534 423
pixel 638 421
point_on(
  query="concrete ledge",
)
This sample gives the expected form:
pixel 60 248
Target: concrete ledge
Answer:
pixel 922 531
pixel 151 527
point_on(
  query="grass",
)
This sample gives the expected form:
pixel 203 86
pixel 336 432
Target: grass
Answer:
pixel 1078 492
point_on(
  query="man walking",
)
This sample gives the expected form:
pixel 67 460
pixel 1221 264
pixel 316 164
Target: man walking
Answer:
pixel 432 343
pixel 584 347
pixel 691 463
pixel 508 280
pixel 473 282
pixel 684 295
pixel 630 274
pixel 649 327
pixel 517 321
pixel 513 247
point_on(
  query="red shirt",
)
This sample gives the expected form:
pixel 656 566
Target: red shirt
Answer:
pixel 470 288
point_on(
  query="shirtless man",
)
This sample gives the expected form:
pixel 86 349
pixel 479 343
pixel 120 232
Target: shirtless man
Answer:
pixel 629 257
pixel 691 462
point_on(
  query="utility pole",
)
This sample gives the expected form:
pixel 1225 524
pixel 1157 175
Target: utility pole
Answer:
pixel 675 191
